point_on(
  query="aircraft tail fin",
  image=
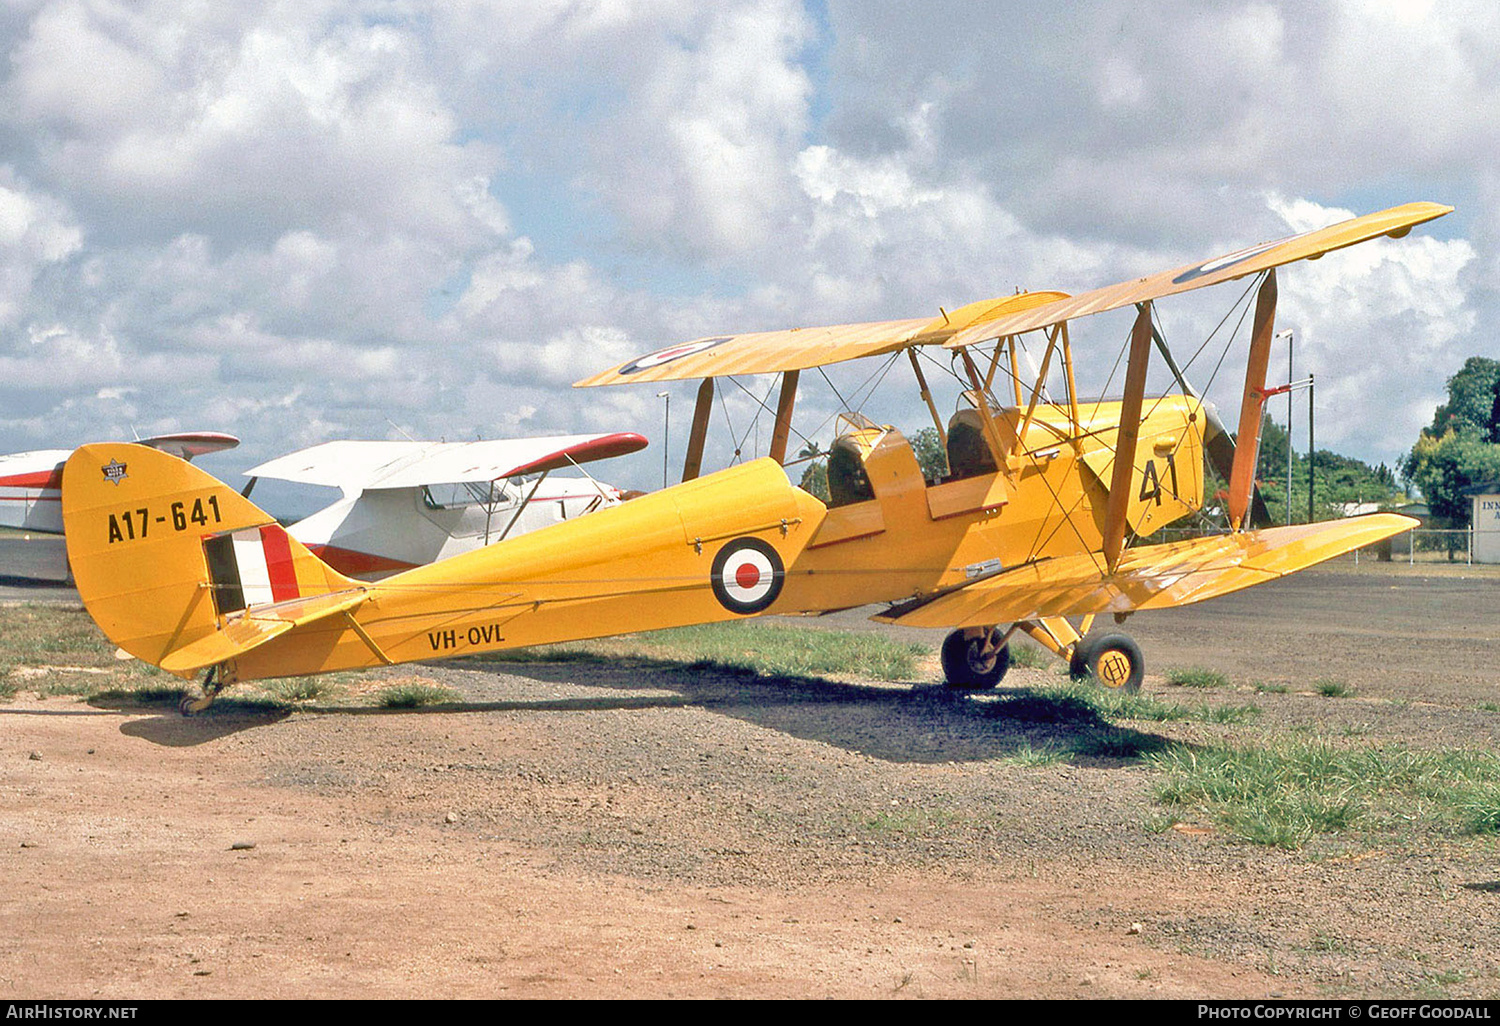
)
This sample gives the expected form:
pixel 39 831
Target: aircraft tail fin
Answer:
pixel 165 555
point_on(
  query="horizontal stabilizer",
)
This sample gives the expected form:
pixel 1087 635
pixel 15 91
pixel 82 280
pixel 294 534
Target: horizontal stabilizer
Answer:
pixel 255 627
pixel 1148 577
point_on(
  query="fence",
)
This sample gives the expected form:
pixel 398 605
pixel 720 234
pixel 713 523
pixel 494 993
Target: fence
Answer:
pixel 1424 545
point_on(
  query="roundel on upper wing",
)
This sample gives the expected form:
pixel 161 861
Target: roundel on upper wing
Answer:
pixel 671 353
pixel 1228 260
pixel 747 575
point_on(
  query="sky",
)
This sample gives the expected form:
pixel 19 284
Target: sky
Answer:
pixel 298 222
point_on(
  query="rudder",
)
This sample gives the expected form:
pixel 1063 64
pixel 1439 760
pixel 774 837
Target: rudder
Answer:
pixel 162 553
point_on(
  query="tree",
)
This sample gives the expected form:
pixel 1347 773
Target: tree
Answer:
pixel 1270 460
pixel 815 478
pixel 931 456
pixel 1473 406
pixel 1462 445
pixel 1443 467
pixel 1338 480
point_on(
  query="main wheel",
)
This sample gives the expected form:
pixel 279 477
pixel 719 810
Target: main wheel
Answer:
pixel 975 663
pixel 1114 660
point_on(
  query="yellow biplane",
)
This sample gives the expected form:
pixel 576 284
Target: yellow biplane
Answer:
pixel 1029 530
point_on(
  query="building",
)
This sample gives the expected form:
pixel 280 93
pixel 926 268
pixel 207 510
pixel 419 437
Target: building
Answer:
pixel 1485 518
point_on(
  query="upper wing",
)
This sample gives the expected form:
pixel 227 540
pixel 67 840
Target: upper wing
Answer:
pixel 1395 222
pixel 767 352
pixel 187 444
pixel 1148 577
pixel 798 348
pixel 412 464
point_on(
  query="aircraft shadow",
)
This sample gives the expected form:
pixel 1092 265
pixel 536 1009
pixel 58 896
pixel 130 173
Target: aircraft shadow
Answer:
pixel 55 712
pixel 919 723
pixel 229 715
pixel 34 583
pixel 170 729
pixel 924 723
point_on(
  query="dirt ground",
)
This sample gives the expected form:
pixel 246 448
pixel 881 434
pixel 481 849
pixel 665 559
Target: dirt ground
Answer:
pixel 580 829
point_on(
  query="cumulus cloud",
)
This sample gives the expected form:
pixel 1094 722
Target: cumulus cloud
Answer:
pixel 303 221
pixel 36 232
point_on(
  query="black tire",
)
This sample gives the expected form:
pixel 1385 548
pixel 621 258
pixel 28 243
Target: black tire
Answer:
pixel 964 667
pixel 1114 661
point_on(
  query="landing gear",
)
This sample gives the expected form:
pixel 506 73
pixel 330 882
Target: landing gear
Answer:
pixel 975 659
pixel 1114 660
pixel 213 682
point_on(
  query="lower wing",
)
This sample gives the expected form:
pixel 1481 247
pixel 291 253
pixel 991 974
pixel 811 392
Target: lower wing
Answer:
pixel 1148 577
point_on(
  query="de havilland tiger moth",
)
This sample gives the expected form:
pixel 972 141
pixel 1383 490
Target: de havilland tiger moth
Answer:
pixel 1030 530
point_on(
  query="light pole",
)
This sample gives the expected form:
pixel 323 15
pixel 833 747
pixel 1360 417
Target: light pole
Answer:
pixel 1311 388
pixel 666 427
pixel 1288 335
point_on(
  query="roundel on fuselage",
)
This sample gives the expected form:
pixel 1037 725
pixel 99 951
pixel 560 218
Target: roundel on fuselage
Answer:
pixel 747 575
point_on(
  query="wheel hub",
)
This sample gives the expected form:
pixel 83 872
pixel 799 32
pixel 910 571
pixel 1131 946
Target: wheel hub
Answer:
pixel 1114 669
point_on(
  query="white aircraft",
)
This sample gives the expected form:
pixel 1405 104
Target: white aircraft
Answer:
pixel 31 482
pixel 407 504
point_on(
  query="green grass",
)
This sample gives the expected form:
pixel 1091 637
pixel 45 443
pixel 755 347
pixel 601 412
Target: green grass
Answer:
pixel 1029 656
pixel 291 690
pixel 1118 743
pixel 1333 688
pixel 767 649
pixel 1478 809
pixel 1226 713
pixel 1287 792
pixel 144 694
pixel 1121 705
pixel 1324 942
pixel 411 696
pixel 1030 755
pixel 1261 687
pixel 74 685
pixel 1160 824
pixel 56 650
pixel 1197 677
pixel 909 819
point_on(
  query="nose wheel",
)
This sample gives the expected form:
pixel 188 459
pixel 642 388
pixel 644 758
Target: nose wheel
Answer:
pixel 1114 660
pixel 975 660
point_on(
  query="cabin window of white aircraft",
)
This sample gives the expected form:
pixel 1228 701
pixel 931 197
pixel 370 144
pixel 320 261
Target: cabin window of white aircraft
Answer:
pixel 470 493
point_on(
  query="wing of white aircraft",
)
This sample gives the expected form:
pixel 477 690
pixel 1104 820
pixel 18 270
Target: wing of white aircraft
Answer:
pixel 370 465
pixel 31 501
pixel 31 482
pixel 187 444
pixel 394 516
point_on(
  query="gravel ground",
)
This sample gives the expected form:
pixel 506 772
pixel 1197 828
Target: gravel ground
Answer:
pixel 604 829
